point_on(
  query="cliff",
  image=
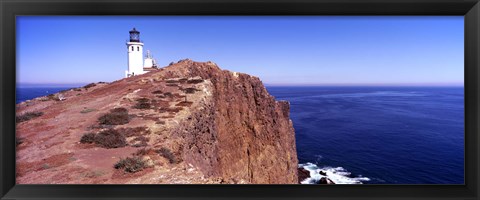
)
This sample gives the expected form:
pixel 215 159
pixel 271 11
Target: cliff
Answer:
pixel 189 122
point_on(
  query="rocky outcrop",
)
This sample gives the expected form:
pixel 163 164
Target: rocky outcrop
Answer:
pixel 209 125
pixel 302 174
pixel 241 133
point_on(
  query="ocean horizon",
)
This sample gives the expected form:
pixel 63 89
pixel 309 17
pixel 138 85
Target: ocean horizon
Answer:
pixel 368 134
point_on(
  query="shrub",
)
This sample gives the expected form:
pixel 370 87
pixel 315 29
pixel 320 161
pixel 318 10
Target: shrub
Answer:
pixel 171 85
pixel 131 164
pixel 63 91
pixel 184 103
pixel 182 80
pixel 190 90
pixel 142 152
pixel 171 81
pixel 28 116
pixel 166 153
pixel 118 110
pixel 51 97
pixel 168 94
pixel 142 103
pixel 117 116
pixel 77 89
pixel 170 110
pixel 90 85
pixel 157 92
pixel 137 131
pixel 110 138
pixel 87 110
pixel 194 81
pixel 87 138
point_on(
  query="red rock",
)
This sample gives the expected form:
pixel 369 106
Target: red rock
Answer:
pixel 231 130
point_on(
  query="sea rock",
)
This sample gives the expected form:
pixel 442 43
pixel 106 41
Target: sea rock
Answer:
pixel 303 174
pixel 325 180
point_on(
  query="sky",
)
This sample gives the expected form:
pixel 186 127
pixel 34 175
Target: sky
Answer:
pixel 281 50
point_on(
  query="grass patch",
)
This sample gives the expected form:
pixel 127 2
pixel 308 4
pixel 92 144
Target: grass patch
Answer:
pixel 110 139
pixel 194 81
pixel 143 103
pixel 184 103
pixel 87 110
pixel 171 85
pixel 168 94
pixel 28 116
pixel 137 131
pixel 87 138
pixel 166 153
pixel 54 97
pixel 182 80
pixel 170 110
pixel 190 90
pixel 46 166
pixel 131 164
pixel 90 85
pixel 117 116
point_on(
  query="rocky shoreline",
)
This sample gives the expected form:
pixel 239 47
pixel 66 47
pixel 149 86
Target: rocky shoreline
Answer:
pixel 304 174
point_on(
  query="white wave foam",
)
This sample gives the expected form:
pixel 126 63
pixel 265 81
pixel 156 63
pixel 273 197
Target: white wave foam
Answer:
pixel 337 174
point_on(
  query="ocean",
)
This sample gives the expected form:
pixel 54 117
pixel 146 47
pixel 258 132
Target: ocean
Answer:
pixel 28 93
pixel 379 135
pixel 370 135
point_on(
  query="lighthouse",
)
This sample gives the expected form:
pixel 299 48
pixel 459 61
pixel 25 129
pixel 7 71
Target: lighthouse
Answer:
pixel 136 64
pixel 135 54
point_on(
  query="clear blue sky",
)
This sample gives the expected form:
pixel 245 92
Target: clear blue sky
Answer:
pixel 310 50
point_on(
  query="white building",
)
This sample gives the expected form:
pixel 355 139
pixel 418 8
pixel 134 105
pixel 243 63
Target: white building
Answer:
pixel 136 64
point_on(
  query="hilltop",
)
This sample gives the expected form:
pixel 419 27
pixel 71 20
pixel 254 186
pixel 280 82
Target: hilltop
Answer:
pixel 189 122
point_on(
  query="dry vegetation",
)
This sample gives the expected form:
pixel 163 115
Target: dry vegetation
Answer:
pixel 166 153
pixel 28 116
pixel 109 138
pixel 143 103
pixel 117 116
pixel 131 164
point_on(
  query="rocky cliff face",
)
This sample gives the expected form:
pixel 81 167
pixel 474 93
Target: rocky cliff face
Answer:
pixel 190 122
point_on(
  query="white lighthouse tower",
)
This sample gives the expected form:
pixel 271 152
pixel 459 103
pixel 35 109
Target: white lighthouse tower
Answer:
pixel 135 54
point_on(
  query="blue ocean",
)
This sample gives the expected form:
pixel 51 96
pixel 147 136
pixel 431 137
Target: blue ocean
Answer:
pixel 28 93
pixel 370 135
pixel 379 135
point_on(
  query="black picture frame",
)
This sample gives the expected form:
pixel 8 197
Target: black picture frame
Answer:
pixel 470 9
